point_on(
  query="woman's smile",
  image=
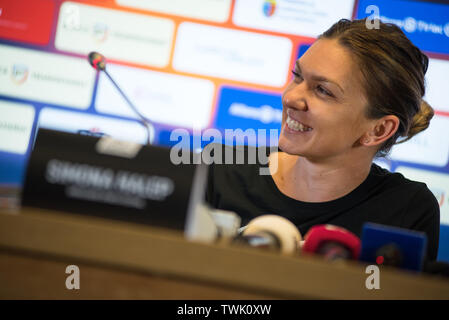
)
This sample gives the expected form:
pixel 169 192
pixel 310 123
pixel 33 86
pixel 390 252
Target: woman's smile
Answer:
pixel 295 125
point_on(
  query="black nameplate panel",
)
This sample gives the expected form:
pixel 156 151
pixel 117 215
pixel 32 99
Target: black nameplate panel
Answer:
pixel 111 179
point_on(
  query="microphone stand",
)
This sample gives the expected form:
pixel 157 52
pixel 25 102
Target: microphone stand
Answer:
pixel 147 124
pixel 98 61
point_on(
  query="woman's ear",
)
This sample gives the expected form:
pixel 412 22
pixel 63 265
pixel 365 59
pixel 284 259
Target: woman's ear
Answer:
pixel 381 131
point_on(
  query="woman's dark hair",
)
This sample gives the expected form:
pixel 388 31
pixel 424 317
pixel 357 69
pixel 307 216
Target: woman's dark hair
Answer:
pixel 393 70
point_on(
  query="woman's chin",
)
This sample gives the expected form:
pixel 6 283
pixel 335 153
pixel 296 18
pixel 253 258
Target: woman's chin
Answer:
pixel 289 146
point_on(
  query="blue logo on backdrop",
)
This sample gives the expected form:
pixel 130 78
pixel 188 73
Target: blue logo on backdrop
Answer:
pixel 244 109
pixel 425 24
pixel 302 49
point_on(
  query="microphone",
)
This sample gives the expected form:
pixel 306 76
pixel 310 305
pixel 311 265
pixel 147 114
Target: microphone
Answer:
pixel 393 246
pixel 213 225
pixel 389 255
pixel 98 61
pixel 271 232
pixel 332 242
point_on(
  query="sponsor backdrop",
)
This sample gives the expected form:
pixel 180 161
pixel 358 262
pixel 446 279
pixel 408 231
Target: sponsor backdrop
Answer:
pixel 194 65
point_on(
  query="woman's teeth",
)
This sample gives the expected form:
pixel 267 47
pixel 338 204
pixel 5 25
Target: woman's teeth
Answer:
pixel 296 126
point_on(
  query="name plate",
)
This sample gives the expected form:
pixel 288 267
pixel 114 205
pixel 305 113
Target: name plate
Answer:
pixel 108 178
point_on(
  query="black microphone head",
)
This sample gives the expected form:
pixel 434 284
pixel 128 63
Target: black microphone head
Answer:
pixel 391 253
pixel 97 60
pixel 440 268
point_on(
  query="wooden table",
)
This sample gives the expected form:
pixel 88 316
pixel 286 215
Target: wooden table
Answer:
pixel 120 260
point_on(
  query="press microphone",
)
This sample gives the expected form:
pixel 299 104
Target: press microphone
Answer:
pixel 212 225
pixel 98 61
pixel 332 242
pixel 271 232
pixel 393 246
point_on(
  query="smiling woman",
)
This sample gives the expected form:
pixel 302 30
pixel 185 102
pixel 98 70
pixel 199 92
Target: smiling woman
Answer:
pixel 355 92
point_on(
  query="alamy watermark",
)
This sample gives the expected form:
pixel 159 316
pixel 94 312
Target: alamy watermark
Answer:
pixel 373 280
pixel 372 21
pixel 215 153
pixel 72 282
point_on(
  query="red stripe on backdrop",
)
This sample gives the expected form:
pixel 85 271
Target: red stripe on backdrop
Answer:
pixel 442 113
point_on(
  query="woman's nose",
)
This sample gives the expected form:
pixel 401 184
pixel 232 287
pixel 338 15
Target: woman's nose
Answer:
pixel 295 97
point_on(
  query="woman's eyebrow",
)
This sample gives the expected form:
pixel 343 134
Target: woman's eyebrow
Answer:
pixel 318 77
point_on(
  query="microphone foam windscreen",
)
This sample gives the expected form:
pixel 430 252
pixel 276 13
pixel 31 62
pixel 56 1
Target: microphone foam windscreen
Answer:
pixel 284 230
pixel 320 234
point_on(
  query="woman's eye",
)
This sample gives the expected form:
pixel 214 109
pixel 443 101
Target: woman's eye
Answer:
pixel 296 74
pixel 321 90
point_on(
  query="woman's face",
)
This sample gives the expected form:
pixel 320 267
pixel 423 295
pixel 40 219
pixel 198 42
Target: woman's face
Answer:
pixel 324 105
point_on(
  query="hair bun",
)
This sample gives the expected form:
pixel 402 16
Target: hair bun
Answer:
pixel 420 121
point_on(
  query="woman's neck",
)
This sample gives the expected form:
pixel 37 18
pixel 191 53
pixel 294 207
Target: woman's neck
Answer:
pixel 318 181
